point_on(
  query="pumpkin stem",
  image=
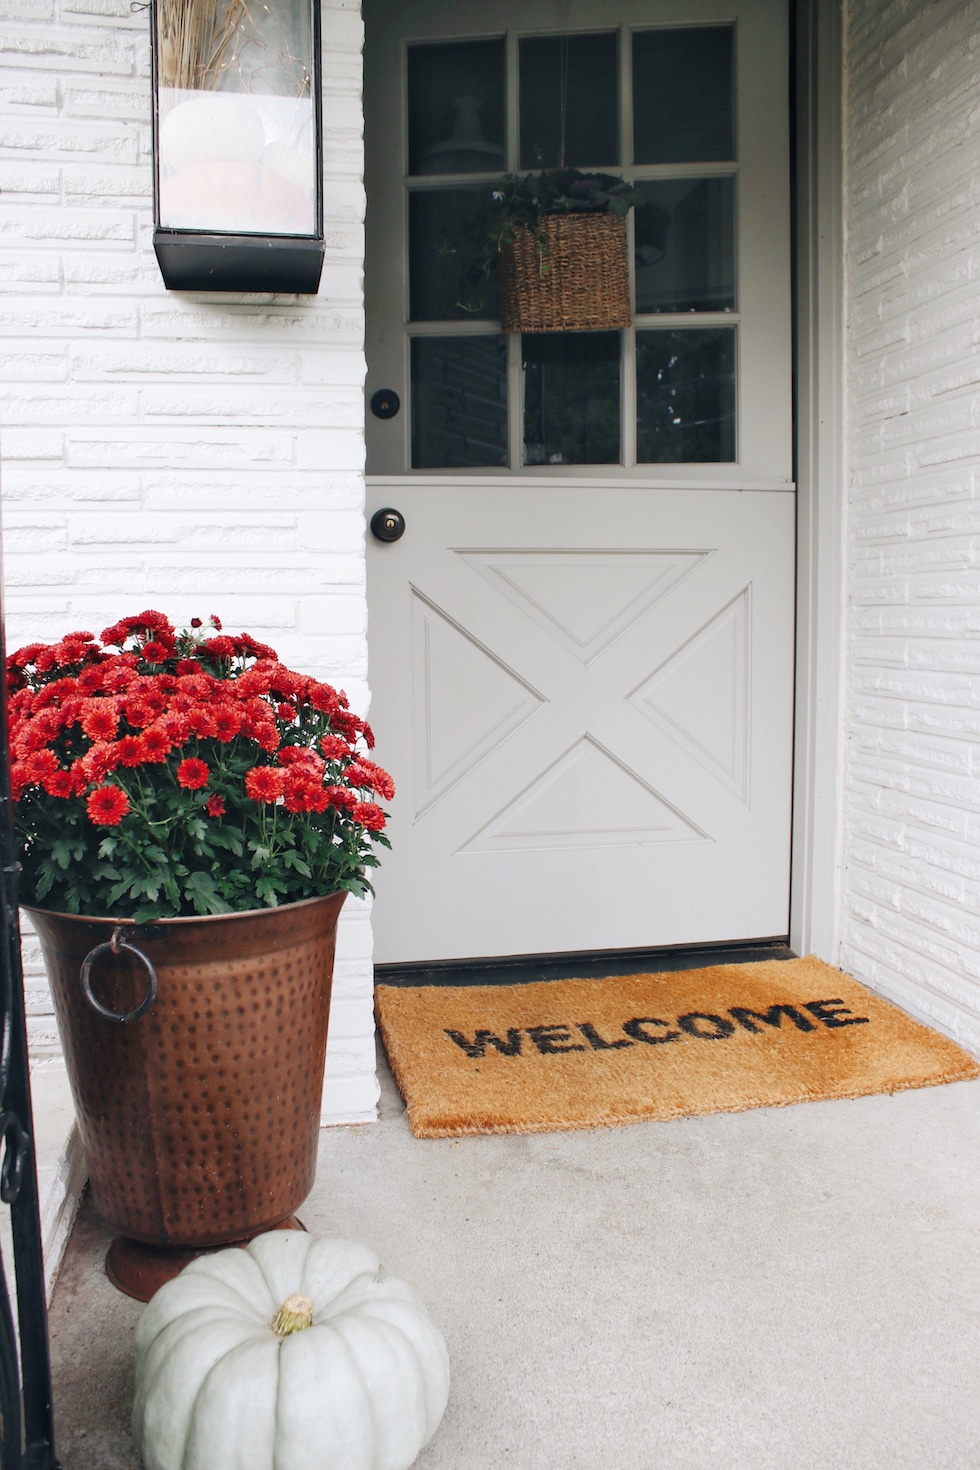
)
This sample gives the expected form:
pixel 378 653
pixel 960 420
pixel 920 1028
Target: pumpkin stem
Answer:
pixel 295 1313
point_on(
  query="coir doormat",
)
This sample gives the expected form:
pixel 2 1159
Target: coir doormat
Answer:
pixel 591 1053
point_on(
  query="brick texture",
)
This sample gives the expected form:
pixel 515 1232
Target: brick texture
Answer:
pixel 910 918
pixel 195 453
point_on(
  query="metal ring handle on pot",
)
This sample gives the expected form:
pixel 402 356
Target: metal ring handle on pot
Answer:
pixel 114 945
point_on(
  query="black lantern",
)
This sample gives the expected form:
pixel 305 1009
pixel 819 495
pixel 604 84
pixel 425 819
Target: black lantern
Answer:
pixel 237 144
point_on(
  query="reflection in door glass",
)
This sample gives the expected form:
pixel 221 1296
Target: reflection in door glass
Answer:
pixel 683 95
pixel 685 396
pixel 456 108
pixel 459 402
pixel 685 245
pixel 447 231
pixel 571 398
pixel 569 91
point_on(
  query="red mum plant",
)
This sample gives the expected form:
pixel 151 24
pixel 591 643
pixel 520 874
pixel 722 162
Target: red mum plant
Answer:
pixel 157 773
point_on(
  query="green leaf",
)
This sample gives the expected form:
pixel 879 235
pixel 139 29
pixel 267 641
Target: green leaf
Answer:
pixel 228 838
pixel 201 890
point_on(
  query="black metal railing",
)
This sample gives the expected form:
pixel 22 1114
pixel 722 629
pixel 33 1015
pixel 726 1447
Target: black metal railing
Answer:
pixel 26 1422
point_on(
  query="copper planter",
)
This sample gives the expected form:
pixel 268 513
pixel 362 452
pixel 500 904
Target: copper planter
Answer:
pixel 200 1116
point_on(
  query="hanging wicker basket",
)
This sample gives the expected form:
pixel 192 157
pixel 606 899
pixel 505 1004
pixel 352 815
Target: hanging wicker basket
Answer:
pixel 572 277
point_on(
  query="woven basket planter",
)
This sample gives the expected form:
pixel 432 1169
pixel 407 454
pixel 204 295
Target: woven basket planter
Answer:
pixel 572 277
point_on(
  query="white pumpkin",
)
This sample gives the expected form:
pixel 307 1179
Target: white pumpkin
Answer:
pixel 293 1354
pixel 211 127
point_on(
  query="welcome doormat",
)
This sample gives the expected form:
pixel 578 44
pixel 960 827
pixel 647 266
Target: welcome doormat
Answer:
pixel 563 1054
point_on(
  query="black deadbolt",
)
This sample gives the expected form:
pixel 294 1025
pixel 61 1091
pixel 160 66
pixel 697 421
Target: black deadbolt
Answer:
pixel 385 403
pixel 387 524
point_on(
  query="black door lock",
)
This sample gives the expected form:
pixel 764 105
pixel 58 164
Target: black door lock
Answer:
pixel 387 524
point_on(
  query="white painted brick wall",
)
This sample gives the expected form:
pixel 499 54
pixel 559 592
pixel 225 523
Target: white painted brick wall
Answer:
pixel 195 453
pixel 911 892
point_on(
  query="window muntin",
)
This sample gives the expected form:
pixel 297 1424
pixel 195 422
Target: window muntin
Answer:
pixel 681 379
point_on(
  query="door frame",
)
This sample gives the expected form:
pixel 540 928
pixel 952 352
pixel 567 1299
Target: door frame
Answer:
pixel 816 122
pixel 816 128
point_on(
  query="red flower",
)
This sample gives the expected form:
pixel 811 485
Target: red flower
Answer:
pixel 201 721
pixel 258 650
pixel 227 721
pixel 99 761
pixel 339 796
pixel 322 697
pixel 298 755
pixel 196 684
pixel 196 623
pixel 368 734
pixel 219 647
pixel 175 726
pixel 189 665
pixel 156 743
pixel 369 815
pixel 304 792
pixel 264 783
pixel 192 774
pixel 79 777
pixel 215 622
pixel 131 750
pixel 25 655
pixel 262 731
pixel 285 712
pixel 154 652
pixel 334 747
pixel 215 806
pixel 41 764
pixel 59 783
pixel 139 712
pixel 253 681
pixel 358 774
pixel 378 779
pixel 116 679
pixel 153 620
pixel 107 805
pixel 346 723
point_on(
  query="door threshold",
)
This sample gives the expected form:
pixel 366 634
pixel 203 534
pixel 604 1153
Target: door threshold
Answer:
pixel 587 964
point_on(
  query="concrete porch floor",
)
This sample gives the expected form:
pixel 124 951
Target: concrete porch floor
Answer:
pixel 783 1289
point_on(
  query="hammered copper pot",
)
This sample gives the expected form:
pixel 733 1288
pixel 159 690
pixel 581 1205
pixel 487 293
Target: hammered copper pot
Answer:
pixel 200 1117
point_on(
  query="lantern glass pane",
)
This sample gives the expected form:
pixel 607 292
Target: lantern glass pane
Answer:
pixel 237 147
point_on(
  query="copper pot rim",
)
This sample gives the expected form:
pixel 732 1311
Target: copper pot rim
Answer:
pixel 182 919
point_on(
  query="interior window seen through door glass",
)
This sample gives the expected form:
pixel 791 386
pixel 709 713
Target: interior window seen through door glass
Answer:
pixel 685 396
pixel 569 101
pixel 456 108
pixel 683 95
pixel 685 245
pixel 447 246
pixel 571 398
pixel 459 402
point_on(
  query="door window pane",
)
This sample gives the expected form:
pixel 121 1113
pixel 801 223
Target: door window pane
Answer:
pixel 685 245
pixel 569 98
pixel 456 108
pixel 447 245
pixel 685 396
pixel 683 95
pixel 571 398
pixel 459 402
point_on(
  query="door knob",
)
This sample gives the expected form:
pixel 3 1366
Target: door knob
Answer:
pixel 387 524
